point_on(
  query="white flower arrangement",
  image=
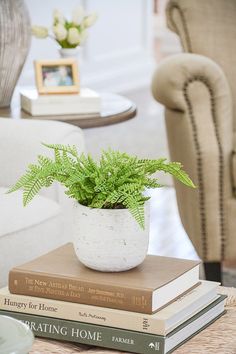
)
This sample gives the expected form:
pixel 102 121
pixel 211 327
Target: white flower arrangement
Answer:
pixel 68 34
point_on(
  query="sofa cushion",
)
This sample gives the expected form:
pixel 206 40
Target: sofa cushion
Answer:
pixel 15 217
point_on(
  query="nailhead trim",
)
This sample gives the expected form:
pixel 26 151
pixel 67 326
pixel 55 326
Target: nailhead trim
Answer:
pixel 232 177
pixel 201 189
pixel 169 10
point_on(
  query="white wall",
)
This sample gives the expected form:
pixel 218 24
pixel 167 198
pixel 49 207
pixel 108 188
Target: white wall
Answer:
pixel 118 53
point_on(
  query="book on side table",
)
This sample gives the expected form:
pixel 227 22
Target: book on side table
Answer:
pixel 146 288
pixel 86 102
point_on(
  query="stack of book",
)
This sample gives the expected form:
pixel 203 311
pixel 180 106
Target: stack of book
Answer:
pixel 152 308
pixel 85 102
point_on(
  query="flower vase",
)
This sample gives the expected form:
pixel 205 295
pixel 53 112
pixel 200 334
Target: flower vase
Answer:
pixel 15 37
pixel 69 52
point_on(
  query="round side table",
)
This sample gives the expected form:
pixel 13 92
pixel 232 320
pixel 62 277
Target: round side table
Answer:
pixel 115 109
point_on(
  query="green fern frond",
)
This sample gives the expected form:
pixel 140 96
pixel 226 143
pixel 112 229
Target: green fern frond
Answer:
pixel 71 149
pixel 152 183
pixel 175 169
pixel 57 156
pixel 136 208
pixel 132 187
pixel 116 197
pixel 31 189
pixel 117 181
pixel 151 166
pixel 20 183
pixel 44 161
pixel 98 201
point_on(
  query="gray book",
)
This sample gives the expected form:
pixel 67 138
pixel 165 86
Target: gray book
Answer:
pixel 115 338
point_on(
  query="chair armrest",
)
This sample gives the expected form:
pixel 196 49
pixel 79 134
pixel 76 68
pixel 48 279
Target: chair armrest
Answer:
pixel 199 125
pixel 20 144
pixel 175 73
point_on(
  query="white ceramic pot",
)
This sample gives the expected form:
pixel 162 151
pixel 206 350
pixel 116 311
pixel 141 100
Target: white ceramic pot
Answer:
pixel 109 240
pixel 69 52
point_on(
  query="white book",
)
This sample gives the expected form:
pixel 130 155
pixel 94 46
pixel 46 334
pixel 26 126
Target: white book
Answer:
pixel 86 102
pixel 160 323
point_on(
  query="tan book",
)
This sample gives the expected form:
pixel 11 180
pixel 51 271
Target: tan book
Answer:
pixel 86 102
pixel 147 288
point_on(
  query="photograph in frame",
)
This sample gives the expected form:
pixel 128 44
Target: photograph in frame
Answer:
pixel 57 76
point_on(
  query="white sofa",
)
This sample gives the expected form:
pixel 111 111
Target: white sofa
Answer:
pixel 27 232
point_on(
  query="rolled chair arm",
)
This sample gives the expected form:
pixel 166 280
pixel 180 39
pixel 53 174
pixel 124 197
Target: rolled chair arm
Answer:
pixel 198 104
pixel 176 72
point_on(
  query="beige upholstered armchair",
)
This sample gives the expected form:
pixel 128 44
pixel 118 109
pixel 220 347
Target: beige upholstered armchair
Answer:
pixel 198 89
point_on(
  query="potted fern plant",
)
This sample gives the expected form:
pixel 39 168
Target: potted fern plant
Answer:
pixel 111 204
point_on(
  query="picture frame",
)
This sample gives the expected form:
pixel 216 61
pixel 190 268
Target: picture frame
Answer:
pixel 57 76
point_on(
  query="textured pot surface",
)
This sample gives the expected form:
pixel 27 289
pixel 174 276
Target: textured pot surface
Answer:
pixel 109 240
pixel 15 36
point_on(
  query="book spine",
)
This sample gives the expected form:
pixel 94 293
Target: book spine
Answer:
pixel 43 110
pixel 84 313
pixel 28 283
pixel 84 333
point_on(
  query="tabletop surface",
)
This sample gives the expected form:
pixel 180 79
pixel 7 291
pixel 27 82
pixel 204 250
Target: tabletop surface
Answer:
pixel 218 338
pixel 115 109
